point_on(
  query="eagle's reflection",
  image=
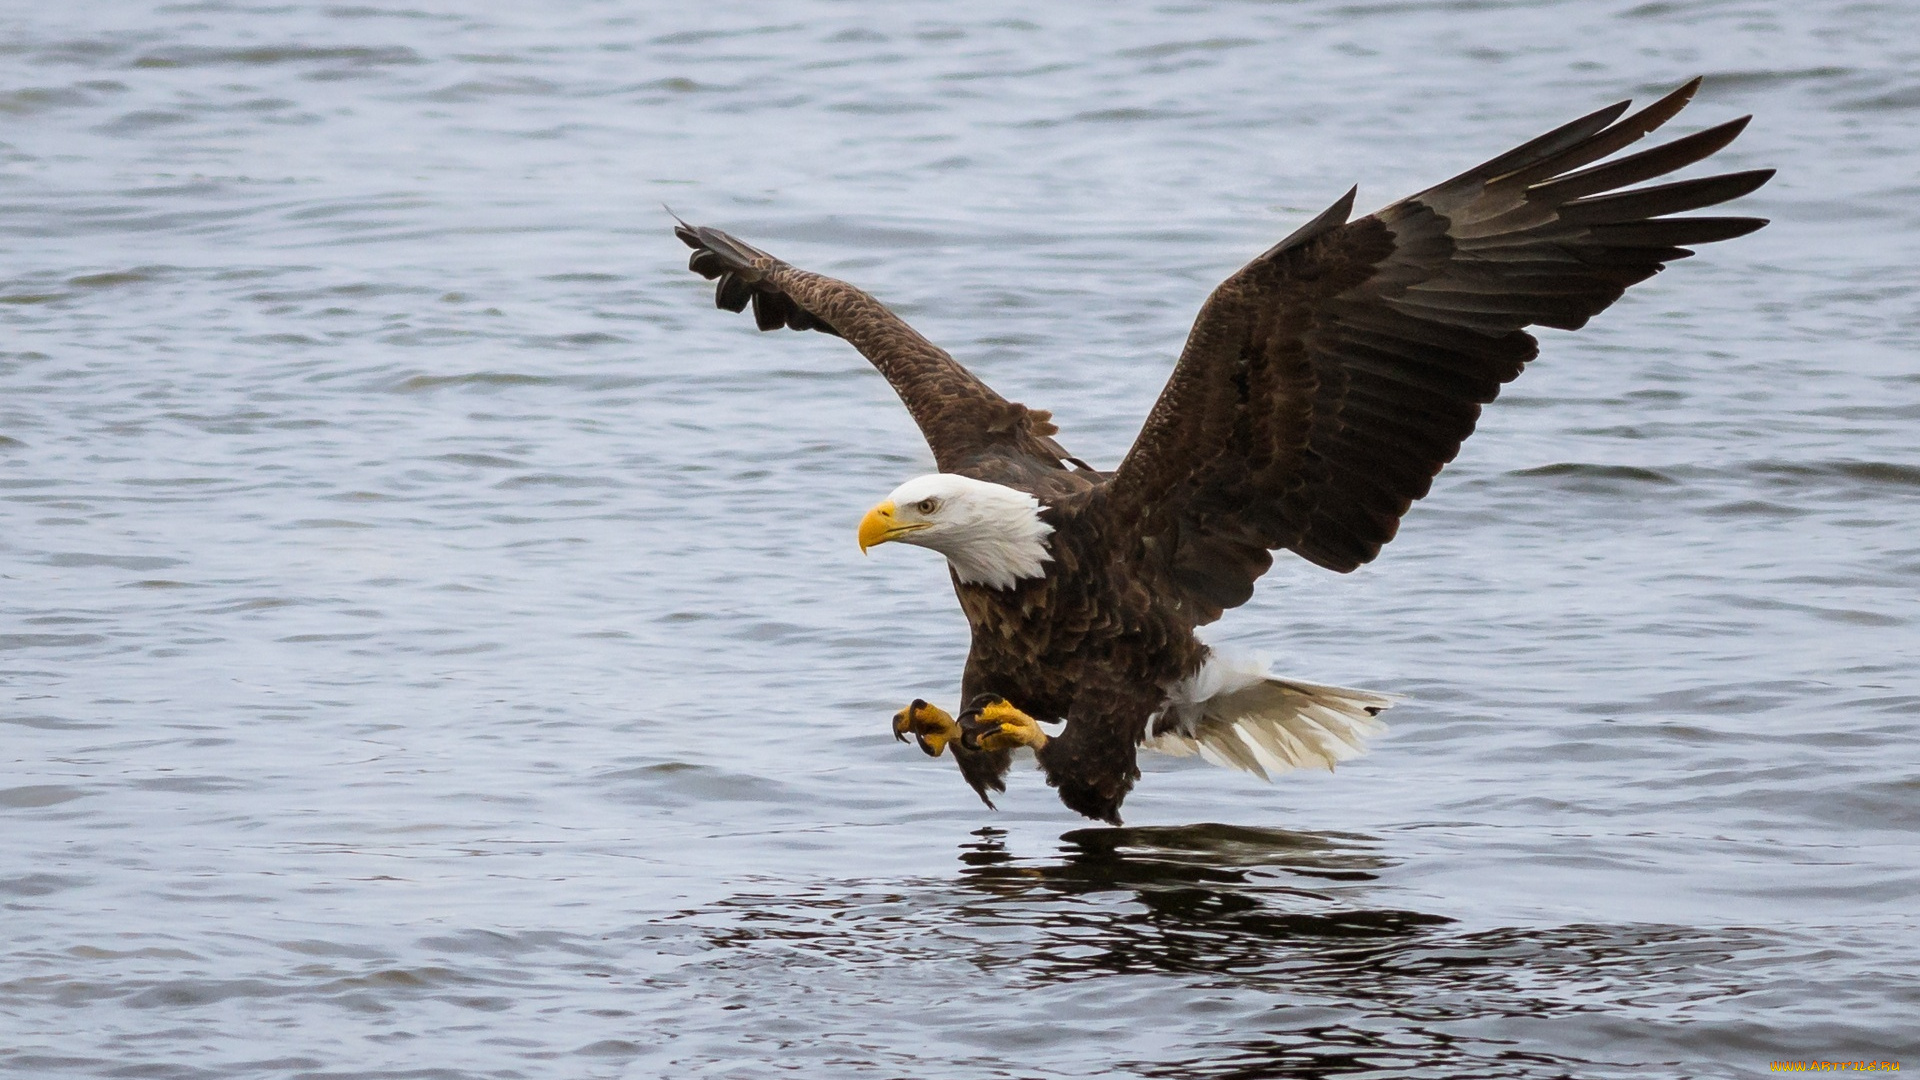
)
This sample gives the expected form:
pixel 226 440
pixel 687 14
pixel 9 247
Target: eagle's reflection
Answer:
pixel 1216 898
pixel 1260 954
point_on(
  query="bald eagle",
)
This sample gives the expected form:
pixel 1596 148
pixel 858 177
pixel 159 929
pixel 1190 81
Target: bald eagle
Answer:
pixel 1322 388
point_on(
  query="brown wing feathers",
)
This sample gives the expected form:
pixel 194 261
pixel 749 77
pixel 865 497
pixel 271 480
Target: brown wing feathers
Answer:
pixel 970 428
pixel 1326 383
pixel 1353 358
pixel 717 255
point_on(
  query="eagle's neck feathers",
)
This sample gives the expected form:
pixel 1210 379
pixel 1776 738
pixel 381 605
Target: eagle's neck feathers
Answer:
pixel 1002 550
pixel 991 534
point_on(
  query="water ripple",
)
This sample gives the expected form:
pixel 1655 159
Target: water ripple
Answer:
pixel 435 643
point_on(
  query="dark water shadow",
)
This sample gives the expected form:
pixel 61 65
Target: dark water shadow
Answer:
pixel 1341 980
pixel 1299 947
pixel 1136 857
pixel 1202 899
pixel 1186 899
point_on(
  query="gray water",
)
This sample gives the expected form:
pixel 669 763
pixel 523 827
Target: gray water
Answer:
pixel 434 645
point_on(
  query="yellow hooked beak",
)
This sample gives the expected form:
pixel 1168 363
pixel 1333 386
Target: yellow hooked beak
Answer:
pixel 878 526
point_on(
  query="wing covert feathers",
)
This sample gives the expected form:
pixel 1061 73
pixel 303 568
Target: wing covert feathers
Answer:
pixel 1326 383
pixel 971 429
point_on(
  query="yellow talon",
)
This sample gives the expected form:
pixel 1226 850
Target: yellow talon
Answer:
pixel 993 724
pixel 930 726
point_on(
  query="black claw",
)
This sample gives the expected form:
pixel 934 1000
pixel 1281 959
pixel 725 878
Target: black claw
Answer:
pixel 971 728
pixel 979 702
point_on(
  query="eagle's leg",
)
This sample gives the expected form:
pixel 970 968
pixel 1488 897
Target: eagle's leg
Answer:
pixel 994 725
pixel 929 725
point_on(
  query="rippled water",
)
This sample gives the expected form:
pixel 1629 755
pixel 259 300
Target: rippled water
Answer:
pixel 434 644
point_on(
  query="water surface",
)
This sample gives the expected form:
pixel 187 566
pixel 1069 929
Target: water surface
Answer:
pixel 432 641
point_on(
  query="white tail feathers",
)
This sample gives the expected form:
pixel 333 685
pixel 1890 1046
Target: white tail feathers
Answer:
pixel 1233 712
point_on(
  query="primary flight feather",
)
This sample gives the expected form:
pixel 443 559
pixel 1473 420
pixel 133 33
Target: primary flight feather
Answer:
pixel 1322 388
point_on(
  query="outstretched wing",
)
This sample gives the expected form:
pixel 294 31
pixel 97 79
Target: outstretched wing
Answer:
pixel 971 429
pixel 1325 384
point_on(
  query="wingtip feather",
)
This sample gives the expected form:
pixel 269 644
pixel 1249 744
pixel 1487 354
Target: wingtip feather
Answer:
pixel 1326 221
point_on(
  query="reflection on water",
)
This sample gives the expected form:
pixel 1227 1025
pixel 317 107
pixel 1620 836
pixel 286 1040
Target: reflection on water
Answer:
pixel 1187 899
pixel 1278 931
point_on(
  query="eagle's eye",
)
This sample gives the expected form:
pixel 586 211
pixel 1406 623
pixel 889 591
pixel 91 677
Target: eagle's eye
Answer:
pixel 927 506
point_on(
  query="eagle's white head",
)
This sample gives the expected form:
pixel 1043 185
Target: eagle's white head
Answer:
pixel 991 533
